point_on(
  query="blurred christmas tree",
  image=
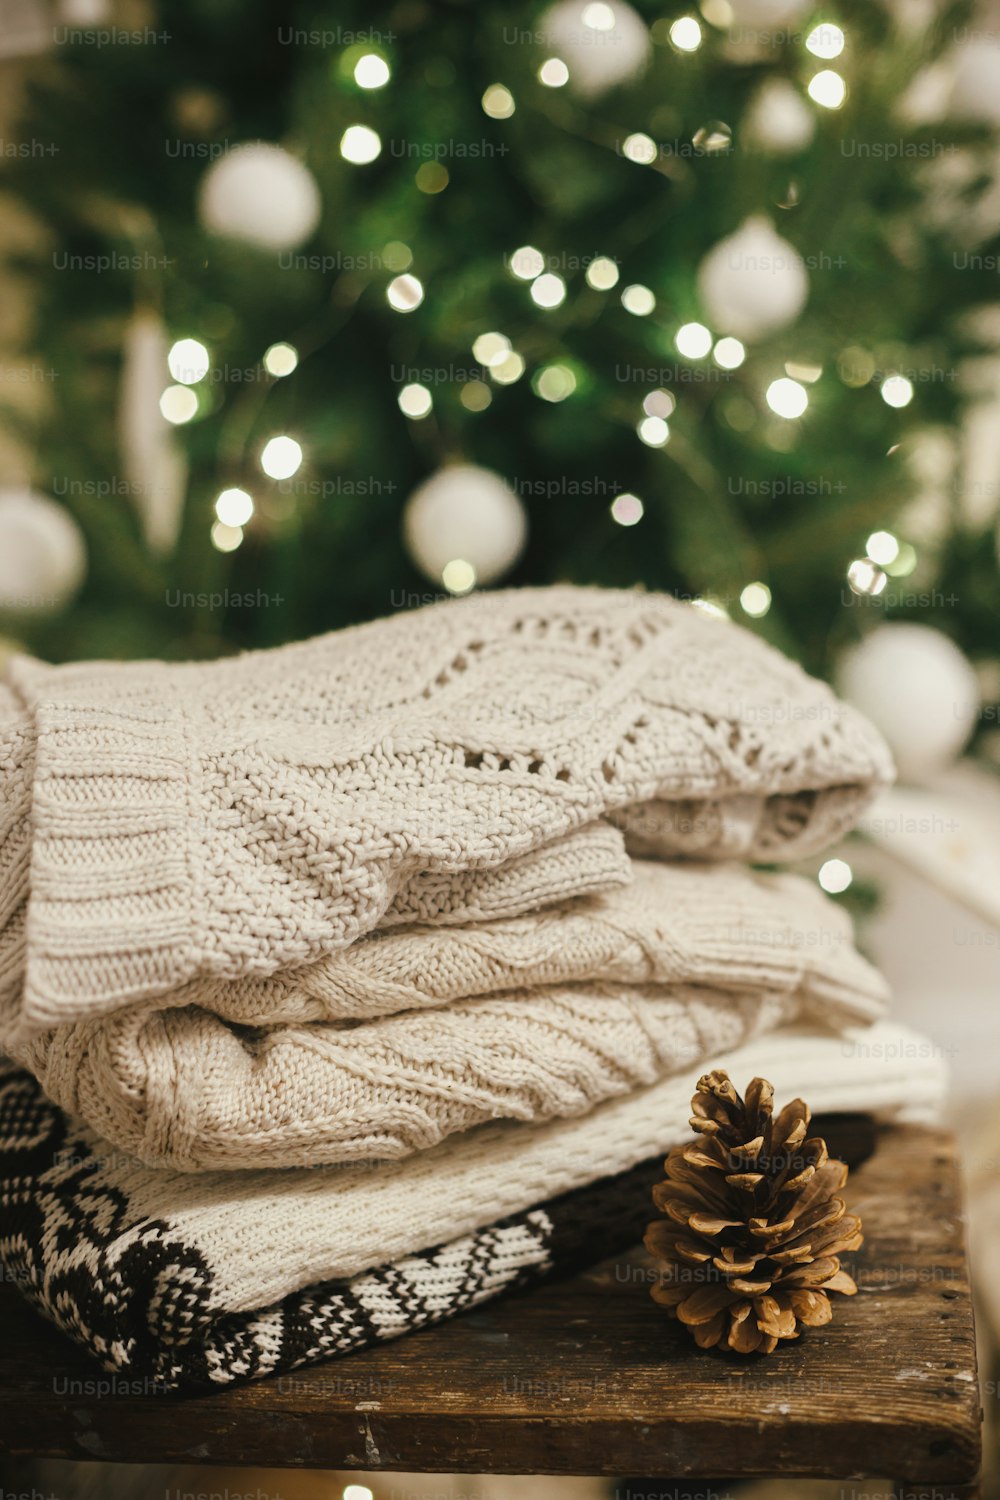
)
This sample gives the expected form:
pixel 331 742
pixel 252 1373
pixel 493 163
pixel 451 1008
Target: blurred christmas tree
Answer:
pixel 697 286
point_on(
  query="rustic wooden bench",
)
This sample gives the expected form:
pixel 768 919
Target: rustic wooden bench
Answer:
pixel 586 1376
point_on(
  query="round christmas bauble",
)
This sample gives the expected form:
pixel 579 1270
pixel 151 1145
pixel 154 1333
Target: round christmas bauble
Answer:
pixel 778 119
pixel 602 42
pixel 262 194
pixel 42 556
pixel 917 688
pixel 753 282
pixel 766 12
pixel 465 515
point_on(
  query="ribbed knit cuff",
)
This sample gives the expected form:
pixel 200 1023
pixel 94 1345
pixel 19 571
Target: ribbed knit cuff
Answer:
pixel 114 889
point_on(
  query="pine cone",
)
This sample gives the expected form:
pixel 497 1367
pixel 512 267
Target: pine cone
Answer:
pixel 753 1230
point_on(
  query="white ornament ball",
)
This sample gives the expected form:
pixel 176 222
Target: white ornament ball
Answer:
pixel 262 194
pixel 753 282
pixel 602 42
pixel 464 514
pixel 42 557
pixel 766 12
pixel 778 119
pixel 918 688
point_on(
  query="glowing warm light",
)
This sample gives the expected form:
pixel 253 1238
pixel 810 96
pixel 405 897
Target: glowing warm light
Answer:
pixel 658 404
pixel 226 538
pixel 491 349
pixel 371 71
pixel 281 457
pixel 866 578
pixel 431 177
pixel 653 431
pixel 882 547
pixel 234 507
pixel 685 34
pixel 808 374
pixel 188 361
pixel 178 404
pixel 639 148
pixel 598 16
pixel 281 359
pixel 729 354
pixel 554 383
pixel 458 576
pixel 359 145
pixel 693 340
pixel 509 369
pixel 787 398
pixel 710 606
pixel 638 300
pixel 358 1492
pixel 475 395
pixel 553 73
pixel 825 40
pixel 548 290
pixel 527 263
pixel 404 293
pixel 828 89
pixel 897 390
pixel 627 510
pixel 602 274
pixel 415 401
pixel 835 876
pixel 904 563
pixel 755 600
pixel 498 102
pixel 396 256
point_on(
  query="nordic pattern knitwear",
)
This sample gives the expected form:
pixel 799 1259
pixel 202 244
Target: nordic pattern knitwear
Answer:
pixel 252 815
pixel 613 991
pixel 200 1281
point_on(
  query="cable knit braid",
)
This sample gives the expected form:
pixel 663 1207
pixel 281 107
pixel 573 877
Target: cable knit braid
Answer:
pixel 252 815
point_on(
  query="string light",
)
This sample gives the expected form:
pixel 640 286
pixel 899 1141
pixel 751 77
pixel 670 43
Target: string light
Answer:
pixel 281 457
pixel 653 431
pixel 882 547
pixel 835 876
pixel 554 383
pixel 234 507
pixel 828 89
pixel 685 34
pixel 639 148
pixel 897 391
pixel 359 145
pixel 755 600
pixel 509 369
pixel 807 373
pixel 498 102
pixel 729 354
pixel 475 395
pixel 548 290
pixel 527 263
pixel 904 563
pixel 281 359
pixel 396 256
pixel 458 576
pixel 627 509
pixel 598 16
pixel 491 349
pixel 431 177
pixel 371 71
pixel 638 300
pixel 602 274
pixel 226 538
pixel 658 404
pixel 787 398
pixel 358 1492
pixel 404 294
pixel 178 404
pixel 553 73
pixel 693 340
pixel 415 401
pixel 866 578
pixel 713 138
pixel 188 361
pixel 825 40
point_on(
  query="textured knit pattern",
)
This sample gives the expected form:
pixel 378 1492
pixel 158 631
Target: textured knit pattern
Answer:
pixel 253 815
pixel 614 991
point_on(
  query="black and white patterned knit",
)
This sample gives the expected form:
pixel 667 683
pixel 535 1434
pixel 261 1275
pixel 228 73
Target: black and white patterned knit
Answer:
pixel 145 1302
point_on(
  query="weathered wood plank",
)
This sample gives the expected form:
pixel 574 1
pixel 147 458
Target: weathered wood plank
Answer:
pixel 587 1376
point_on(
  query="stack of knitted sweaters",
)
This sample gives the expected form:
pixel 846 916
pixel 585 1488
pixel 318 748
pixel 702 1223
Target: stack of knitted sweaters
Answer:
pixel 349 983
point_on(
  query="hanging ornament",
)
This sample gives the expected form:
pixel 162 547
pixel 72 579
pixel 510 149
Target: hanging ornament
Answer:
pixel 154 463
pixel 464 526
pixel 918 688
pixel 602 42
pixel 262 194
pixel 778 120
pixel 753 282
pixel 42 557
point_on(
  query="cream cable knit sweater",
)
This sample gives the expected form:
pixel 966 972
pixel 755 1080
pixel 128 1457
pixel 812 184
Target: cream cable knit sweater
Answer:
pixel 267 1234
pixel 589 999
pixel 250 816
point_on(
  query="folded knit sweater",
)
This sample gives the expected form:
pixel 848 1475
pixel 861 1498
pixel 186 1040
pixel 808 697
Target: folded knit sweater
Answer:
pixel 524 1018
pixel 184 1280
pixel 165 823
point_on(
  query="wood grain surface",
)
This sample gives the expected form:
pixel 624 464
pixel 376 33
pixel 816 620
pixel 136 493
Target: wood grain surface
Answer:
pixel 586 1376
